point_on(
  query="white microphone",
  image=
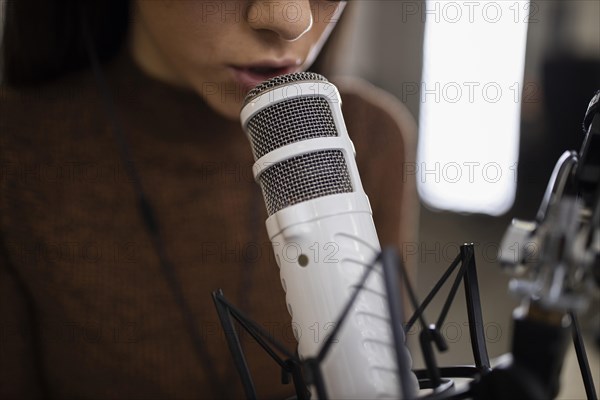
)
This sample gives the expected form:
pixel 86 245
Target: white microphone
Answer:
pixel 321 227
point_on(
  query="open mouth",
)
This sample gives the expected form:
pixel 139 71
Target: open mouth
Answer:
pixel 250 76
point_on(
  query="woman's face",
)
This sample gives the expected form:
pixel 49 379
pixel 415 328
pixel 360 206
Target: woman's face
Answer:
pixel 221 49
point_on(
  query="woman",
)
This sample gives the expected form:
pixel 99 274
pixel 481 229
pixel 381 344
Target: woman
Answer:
pixel 127 198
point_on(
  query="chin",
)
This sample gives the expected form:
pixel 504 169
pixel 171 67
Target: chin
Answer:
pixel 225 99
pixel 226 109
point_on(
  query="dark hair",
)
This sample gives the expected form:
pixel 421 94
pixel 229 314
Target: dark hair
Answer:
pixel 43 39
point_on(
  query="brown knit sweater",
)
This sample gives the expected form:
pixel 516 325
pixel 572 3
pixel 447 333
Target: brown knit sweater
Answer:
pixel 85 311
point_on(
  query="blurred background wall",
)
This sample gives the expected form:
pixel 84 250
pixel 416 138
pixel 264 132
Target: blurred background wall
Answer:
pixel 562 71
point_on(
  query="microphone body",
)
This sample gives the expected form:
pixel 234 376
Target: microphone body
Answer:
pixel 322 231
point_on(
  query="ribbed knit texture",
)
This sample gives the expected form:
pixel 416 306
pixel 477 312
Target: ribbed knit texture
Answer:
pixel 84 310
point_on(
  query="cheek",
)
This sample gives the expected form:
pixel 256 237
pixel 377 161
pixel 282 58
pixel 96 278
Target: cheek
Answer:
pixel 184 29
pixel 327 12
pixel 325 17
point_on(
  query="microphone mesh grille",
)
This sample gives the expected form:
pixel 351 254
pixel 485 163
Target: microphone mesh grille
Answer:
pixel 304 177
pixel 283 80
pixel 290 121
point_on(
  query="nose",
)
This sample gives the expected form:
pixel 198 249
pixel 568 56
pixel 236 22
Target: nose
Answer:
pixel 288 19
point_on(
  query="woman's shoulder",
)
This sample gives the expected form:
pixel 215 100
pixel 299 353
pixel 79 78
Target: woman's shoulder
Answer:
pixel 50 96
pixel 55 110
pixel 376 117
pixel 384 134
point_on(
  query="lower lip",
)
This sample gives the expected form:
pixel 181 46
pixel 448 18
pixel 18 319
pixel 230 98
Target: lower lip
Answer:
pixel 249 79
